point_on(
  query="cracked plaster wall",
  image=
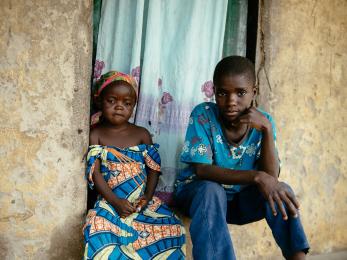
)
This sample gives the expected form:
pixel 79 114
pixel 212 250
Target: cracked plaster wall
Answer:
pixel 45 67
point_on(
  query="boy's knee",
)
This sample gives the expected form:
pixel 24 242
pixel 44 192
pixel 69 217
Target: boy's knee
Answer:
pixel 210 198
pixel 211 190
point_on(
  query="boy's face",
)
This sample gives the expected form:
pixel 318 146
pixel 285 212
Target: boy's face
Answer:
pixel 118 102
pixel 234 95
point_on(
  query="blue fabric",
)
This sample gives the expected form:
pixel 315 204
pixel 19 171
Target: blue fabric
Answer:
pixel 205 143
pixel 207 204
pixel 153 232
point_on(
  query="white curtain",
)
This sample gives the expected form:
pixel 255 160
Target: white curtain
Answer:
pixel 174 45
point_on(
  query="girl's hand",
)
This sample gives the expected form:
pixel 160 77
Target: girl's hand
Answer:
pixel 277 192
pixel 124 208
pixel 255 119
pixel 141 203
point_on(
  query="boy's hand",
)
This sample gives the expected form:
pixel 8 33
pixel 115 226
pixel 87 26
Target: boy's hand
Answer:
pixel 255 119
pixel 124 208
pixel 277 192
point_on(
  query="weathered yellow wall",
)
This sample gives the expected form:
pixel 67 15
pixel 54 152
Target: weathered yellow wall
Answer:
pixel 305 50
pixel 45 66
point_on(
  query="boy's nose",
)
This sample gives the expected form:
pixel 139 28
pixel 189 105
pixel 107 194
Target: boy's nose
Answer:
pixel 232 99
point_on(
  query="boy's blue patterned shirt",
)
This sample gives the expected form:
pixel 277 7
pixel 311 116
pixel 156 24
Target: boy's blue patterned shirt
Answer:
pixel 205 143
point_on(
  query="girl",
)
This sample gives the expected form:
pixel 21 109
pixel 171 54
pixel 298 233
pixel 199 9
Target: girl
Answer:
pixel 127 221
pixel 233 167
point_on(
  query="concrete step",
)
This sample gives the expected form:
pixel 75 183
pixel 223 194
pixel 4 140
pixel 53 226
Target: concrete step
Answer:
pixel 342 255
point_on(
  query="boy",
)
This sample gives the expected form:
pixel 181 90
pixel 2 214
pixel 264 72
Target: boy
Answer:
pixel 233 167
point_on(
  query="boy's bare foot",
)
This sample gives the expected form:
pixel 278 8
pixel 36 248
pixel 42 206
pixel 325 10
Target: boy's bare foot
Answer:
pixel 298 256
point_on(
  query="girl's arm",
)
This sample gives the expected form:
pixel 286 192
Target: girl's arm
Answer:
pixel 152 176
pixel 122 206
pixel 152 181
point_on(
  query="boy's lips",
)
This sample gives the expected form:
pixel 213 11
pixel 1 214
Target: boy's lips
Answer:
pixel 232 113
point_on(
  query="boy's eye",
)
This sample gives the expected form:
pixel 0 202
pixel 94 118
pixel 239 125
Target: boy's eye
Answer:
pixel 128 104
pixel 221 94
pixel 242 93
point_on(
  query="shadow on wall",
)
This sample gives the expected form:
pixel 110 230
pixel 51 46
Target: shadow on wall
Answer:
pixel 66 243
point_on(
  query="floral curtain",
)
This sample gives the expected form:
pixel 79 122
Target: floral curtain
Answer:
pixel 171 48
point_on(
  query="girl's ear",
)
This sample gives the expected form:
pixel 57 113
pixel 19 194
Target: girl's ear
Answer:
pixel 97 102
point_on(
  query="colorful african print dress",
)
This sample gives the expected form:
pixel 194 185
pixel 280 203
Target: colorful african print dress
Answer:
pixel 153 233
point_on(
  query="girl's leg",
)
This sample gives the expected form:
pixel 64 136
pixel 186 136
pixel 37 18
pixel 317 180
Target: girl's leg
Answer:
pixel 206 204
pixel 249 206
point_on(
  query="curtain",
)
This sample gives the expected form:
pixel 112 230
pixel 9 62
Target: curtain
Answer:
pixel 171 47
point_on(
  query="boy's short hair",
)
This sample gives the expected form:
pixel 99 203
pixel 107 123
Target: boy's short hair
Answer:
pixel 234 65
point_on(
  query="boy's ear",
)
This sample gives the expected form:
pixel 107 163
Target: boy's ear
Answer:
pixel 255 90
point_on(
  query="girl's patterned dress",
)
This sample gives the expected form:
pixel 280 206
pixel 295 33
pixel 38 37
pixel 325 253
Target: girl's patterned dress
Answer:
pixel 153 233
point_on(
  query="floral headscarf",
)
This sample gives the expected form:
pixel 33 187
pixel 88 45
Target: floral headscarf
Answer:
pixel 112 76
pixel 105 80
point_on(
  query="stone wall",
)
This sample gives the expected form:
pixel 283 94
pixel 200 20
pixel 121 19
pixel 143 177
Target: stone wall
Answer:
pixel 45 69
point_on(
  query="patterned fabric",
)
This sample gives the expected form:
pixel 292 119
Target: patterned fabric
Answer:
pixel 205 143
pixel 110 77
pixel 155 232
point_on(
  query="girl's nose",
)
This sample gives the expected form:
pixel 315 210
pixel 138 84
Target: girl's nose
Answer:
pixel 118 105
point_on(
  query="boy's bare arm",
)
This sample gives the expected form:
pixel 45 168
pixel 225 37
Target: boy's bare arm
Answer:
pixel 224 175
pixel 274 191
pixel 268 161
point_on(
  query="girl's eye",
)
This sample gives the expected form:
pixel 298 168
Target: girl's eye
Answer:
pixel 111 101
pixel 128 104
pixel 242 93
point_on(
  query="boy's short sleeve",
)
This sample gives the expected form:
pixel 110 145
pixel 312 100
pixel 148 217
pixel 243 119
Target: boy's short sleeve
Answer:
pixel 273 126
pixel 197 147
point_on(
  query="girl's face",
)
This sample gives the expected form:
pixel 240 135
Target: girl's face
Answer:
pixel 117 103
pixel 234 96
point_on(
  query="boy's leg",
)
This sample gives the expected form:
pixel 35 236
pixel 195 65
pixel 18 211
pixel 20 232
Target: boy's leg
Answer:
pixel 206 204
pixel 249 205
